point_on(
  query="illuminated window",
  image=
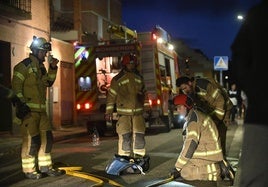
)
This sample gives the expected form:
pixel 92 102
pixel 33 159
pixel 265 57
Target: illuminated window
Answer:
pixel 84 83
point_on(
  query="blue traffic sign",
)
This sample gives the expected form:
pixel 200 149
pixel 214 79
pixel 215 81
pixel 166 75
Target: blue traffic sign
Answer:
pixel 220 63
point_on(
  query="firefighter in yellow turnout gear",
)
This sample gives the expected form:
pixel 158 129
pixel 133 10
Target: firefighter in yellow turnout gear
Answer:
pixel 127 92
pixel 212 99
pixel 30 82
pixel 201 152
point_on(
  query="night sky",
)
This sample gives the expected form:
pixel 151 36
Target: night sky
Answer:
pixel 208 25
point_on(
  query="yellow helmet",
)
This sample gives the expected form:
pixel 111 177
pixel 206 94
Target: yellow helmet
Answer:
pixel 40 43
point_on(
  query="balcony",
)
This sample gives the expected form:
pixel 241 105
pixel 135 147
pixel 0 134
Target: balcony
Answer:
pixel 16 9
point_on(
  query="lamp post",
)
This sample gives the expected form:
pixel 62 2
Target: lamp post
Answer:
pixel 240 17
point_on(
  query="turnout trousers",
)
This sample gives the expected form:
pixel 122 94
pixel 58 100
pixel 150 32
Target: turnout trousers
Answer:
pixel 222 130
pixel 37 142
pixel 131 132
pixel 203 172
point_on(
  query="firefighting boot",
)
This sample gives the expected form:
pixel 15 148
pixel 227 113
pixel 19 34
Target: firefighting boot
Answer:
pixel 33 175
pixel 55 172
pixel 50 171
pixel 143 161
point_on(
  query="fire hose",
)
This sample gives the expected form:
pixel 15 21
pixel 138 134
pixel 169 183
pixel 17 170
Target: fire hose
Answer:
pixel 99 180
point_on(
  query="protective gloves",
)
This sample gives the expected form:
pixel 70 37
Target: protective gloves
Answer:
pixel 22 110
pixel 15 100
pixel 226 170
pixel 52 61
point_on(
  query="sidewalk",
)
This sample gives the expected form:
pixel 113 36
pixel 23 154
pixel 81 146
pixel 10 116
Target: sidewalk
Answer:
pixel 234 152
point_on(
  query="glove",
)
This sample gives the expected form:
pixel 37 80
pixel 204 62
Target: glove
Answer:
pixel 226 170
pixel 22 110
pixel 175 173
pixel 108 117
pixel 52 61
pixel 15 101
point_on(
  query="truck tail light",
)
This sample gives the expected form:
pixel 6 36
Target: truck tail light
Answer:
pixel 85 106
pixel 154 102
pixel 78 107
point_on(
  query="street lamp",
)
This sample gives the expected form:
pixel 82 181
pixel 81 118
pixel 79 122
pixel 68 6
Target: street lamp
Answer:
pixel 240 17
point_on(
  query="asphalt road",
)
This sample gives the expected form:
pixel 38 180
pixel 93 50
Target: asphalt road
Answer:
pixel 163 149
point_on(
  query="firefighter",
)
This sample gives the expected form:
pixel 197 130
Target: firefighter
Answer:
pixel 30 82
pixel 212 99
pixel 127 93
pixel 201 152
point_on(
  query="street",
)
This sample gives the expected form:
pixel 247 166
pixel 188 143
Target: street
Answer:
pixel 163 149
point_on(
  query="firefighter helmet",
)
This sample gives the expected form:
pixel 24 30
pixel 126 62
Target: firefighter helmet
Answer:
pixel 40 44
pixel 129 59
pixel 183 99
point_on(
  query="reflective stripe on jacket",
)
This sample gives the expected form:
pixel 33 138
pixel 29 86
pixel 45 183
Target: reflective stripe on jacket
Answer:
pixel 30 82
pixel 213 98
pixel 127 91
pixel 202 144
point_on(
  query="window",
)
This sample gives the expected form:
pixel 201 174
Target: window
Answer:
pixel 84 83
pixel 18 9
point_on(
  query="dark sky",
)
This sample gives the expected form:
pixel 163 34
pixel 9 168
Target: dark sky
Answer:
pixel 208 25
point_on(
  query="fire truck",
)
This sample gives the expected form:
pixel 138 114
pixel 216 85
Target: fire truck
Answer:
pixel 96 65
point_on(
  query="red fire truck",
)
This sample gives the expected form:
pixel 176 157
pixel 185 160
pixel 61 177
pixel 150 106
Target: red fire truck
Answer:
pixel 95 66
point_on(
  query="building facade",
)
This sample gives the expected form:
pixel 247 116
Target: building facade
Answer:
pixel 61 22
pixel 19 22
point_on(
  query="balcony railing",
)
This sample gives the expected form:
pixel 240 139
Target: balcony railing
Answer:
pixel 17 9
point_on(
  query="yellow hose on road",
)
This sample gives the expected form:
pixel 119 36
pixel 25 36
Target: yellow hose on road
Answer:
pixel 71 168
pixel 99 180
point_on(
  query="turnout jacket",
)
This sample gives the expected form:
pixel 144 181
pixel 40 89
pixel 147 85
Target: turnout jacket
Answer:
pixel 127 92
pixel 201 141
pixel 30 81
pixel 212 98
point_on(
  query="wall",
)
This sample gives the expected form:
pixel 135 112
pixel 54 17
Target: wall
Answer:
pixel 62 93
pixel 19 34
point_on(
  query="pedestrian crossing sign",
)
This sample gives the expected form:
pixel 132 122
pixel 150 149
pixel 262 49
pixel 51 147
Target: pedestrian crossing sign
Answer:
pixel 220 63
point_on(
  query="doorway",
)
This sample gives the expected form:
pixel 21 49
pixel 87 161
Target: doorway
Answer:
pixel 5 79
